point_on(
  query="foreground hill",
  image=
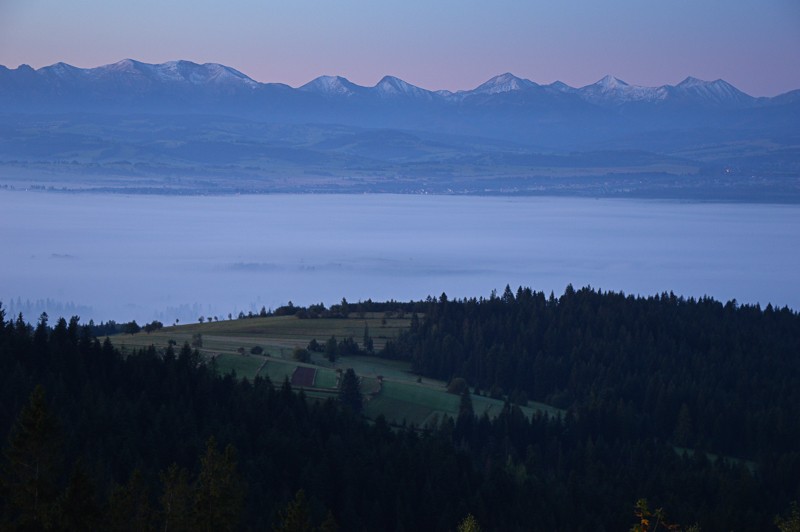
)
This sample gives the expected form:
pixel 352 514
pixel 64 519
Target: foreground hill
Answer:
pixel 181 125
pixel 690 404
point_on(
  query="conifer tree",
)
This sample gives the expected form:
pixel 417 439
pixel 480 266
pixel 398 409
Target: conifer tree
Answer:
pixel 79 509
pixel 129 506
pixel 469 524
pixel 219 494
pixel 329 524
pixel 332 349
pixel 32 464
pixel 350 391
pixel 297 515
pixel 176 500
pixel 368 345
pixel 790 522
pixel 465 404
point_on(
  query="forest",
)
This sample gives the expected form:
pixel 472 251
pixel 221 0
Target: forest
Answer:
pixel 702 374
pixel 689 404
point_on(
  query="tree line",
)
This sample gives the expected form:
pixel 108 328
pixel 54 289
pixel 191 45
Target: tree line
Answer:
pixel 697 372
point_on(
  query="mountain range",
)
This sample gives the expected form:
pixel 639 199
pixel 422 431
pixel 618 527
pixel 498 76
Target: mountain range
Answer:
pixel 137 80
pixel 507 126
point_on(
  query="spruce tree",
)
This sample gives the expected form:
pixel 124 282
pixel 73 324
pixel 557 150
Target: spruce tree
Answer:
pixel 32 466
pixel 129 506
pixel 350 391
pixel 368 345
pixel 219 493
pixel 79 508
pixel 176 500
pixel 297 515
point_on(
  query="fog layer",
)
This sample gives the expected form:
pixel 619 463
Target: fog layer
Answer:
pixel 171 257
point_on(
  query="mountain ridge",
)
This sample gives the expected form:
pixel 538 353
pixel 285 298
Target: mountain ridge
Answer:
pixel 182 71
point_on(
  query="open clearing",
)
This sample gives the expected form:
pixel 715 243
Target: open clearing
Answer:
pixel 246 367
pixel 389 387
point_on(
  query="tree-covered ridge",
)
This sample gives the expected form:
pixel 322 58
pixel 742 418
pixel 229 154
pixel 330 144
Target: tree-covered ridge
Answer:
pixel 721 377
pixel 148 411
pixel 134 431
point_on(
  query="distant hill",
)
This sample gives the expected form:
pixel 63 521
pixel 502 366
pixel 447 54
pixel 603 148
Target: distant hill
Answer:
pixel 503 133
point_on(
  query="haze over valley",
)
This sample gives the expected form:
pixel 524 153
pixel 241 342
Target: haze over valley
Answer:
pixel 146 257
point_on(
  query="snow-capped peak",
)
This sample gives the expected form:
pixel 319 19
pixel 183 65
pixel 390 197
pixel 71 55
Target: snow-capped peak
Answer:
pixel 126 65
pixel 610 82
pixel 613 90
pixel 691 82
pixel 504 83
pixel 718 85
pixel 62 71
pixel 177 72
pixel 63 67
pixel 189 72
pixel 392 86
pixel 331 85
pixel 718 91
pixel 560 86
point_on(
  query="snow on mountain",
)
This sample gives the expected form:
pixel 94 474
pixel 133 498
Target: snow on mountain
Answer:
pixel 615 91
pixel 503 83
pixel 611 83
pixel 214 73
pixel 393 87
pixel 332 86
pixel 719 92
pixel 128 76
pixel 182 72
pixel 63 70
pixel 61 74
pixel 125 69
pixel 560 86
pixel 388 87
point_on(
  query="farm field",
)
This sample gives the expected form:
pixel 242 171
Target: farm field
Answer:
pixel 389 387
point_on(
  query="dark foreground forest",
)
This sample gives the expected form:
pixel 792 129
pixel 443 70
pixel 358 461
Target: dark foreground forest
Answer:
pixel 692 405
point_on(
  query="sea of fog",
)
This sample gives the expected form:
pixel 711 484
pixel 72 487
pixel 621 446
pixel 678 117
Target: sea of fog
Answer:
pixel 149 257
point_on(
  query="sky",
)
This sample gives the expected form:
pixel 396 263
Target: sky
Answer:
pixel 435 44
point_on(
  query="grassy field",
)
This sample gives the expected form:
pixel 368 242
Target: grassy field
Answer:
pixel 278 371
pixel 419 404
pixel 411 403
pixel 389 386
pixel 278 335
pixel 326 378
pixel 245 367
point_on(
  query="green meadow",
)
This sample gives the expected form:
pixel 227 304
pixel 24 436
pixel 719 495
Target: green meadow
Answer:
pixel 389 387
